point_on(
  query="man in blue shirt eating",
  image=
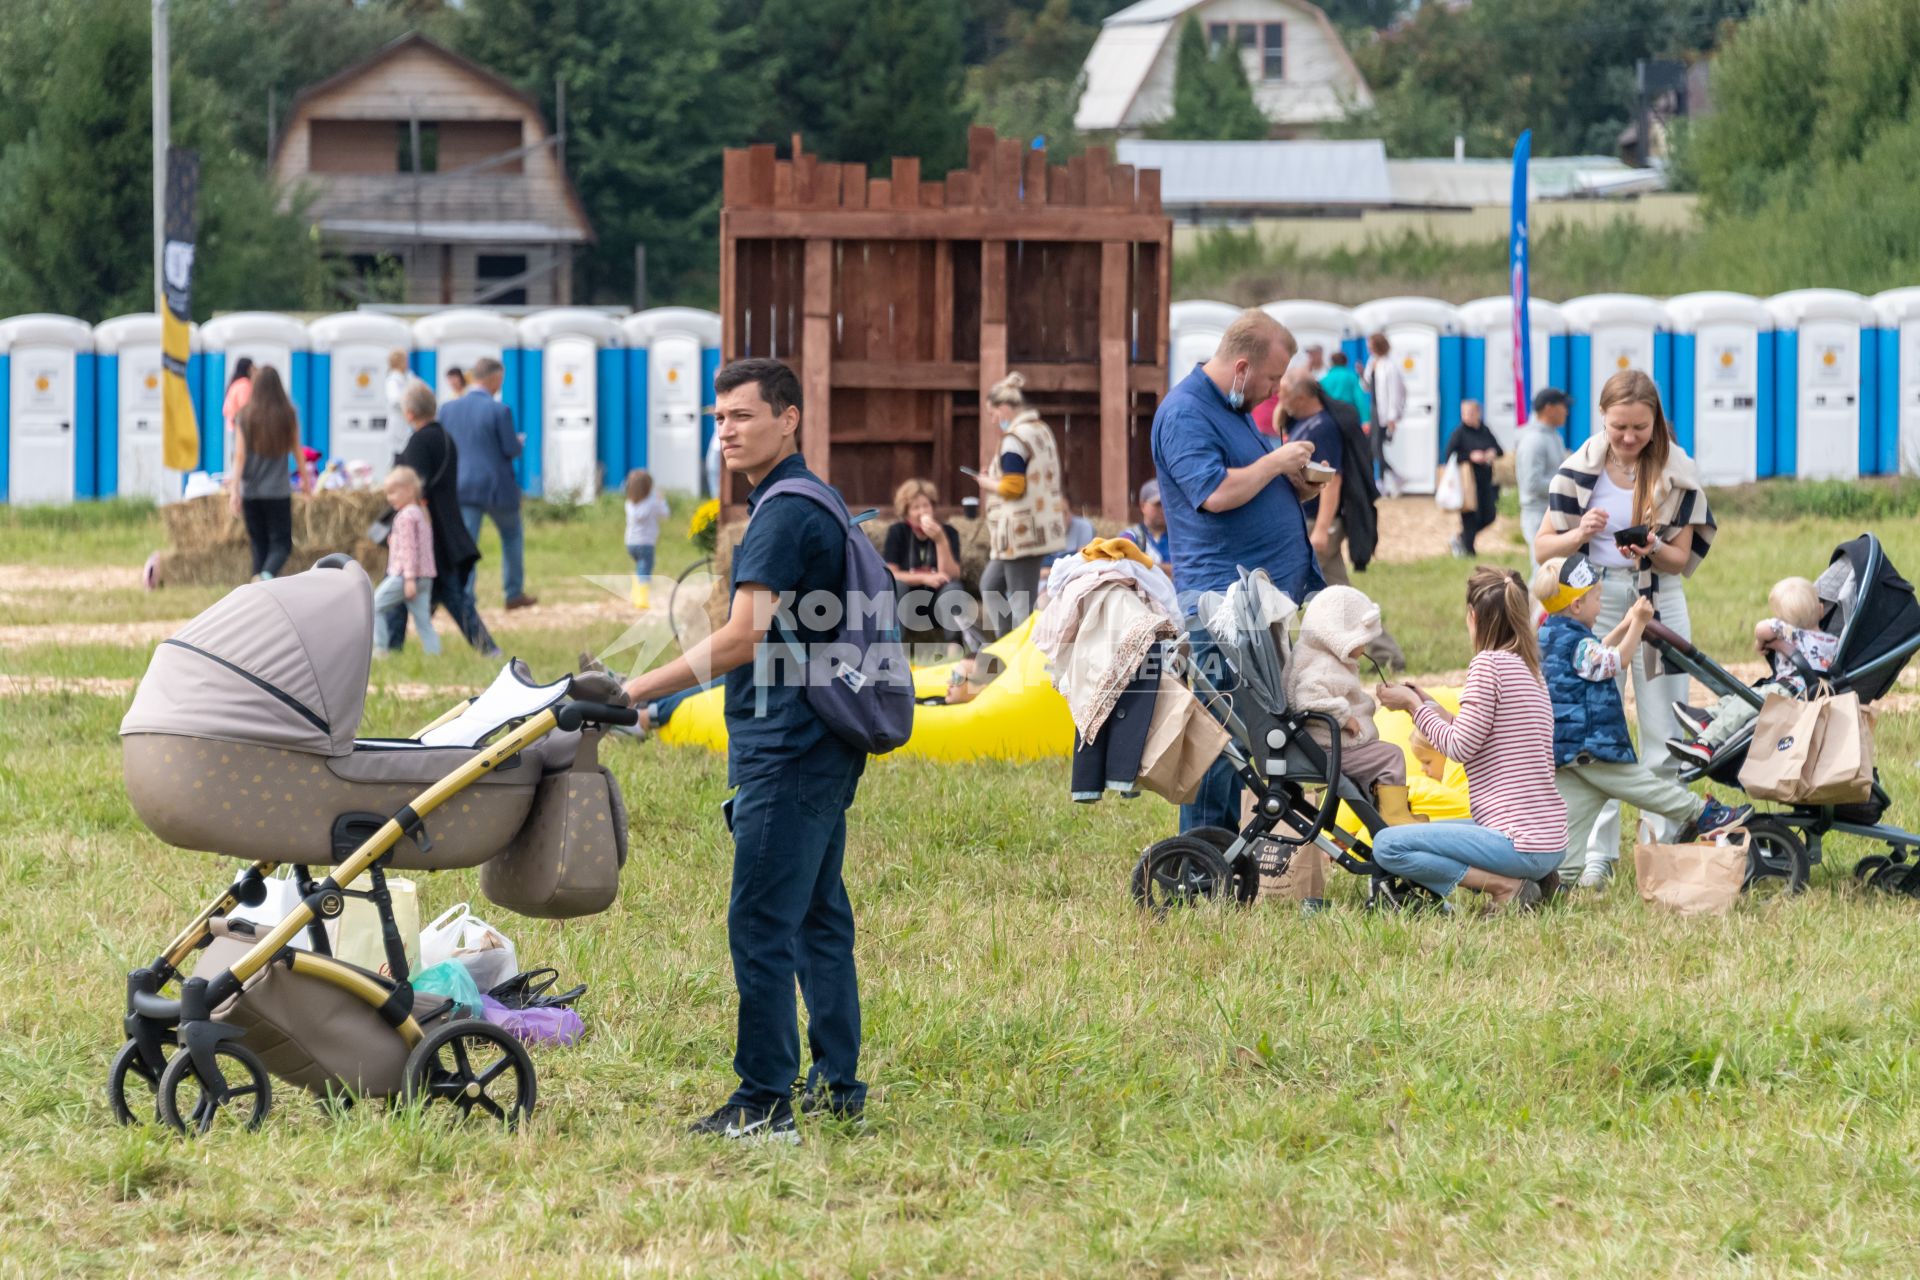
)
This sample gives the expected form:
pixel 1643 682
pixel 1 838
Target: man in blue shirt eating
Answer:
pixel 1232 499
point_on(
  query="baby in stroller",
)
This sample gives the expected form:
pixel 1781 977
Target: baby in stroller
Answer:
pixel 1794 646
pixel 1335 630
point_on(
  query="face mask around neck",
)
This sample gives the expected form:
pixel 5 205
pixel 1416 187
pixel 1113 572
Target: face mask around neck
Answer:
pixel 1237 396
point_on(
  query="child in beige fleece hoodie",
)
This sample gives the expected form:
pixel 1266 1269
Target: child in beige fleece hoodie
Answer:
pixel 1324 675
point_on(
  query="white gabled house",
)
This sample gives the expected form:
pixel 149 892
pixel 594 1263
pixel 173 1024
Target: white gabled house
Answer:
pixel 1301 74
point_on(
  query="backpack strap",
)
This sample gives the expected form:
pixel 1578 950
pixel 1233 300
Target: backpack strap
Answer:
pixel 808 487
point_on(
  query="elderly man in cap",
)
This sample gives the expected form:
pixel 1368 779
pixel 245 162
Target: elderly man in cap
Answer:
pixel 1150 533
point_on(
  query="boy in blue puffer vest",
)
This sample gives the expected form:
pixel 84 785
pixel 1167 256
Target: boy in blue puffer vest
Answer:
pixel 1593 757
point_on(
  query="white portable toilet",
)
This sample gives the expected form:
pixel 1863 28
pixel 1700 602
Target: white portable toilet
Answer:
pixel 1722 400
pixel 1898 312
pixel 567 343
pixel 679 348
pixel 1487 373
pixel 1824 357
pixel 1194 329
pixel 131 401
pixel 48 375
pixel 1608 332
pixel 1320 324
pixel 348 394
pixel 1425 343
pixel 266 338
pixel 459 337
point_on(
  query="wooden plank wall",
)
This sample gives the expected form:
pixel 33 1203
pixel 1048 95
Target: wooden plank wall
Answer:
pixel 900 301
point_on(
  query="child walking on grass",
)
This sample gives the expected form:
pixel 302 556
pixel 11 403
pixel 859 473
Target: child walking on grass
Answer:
pixel 410 566
pixel 1338 625
pixel 645 510
pixel 1593 757
pixel 1794 646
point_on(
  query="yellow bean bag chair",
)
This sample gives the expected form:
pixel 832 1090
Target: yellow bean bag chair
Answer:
pixel 1437 799
pixel 1019 716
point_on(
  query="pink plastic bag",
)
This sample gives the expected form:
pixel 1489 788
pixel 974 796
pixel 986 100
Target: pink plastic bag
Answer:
pixel 554 1025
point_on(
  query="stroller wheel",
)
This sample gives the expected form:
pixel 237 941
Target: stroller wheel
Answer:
pixel 131 1080
pixel 1179 872
pixel 1890 876
pixel 243 1085
pixel 473 1066
pixel 1242 872
pixel 1393 893
pixel 1864 869
pixel 1776 860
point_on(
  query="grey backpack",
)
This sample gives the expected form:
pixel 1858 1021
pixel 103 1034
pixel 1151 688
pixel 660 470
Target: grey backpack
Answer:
pixel 860 684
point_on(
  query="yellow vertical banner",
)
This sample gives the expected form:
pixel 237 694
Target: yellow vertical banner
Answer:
pixel 179 432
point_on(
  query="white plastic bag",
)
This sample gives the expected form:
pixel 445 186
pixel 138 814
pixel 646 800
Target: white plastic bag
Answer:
pixel 441 935
pixel 283 895
pixel 356 934
pixel 1448 493
pixel 487 953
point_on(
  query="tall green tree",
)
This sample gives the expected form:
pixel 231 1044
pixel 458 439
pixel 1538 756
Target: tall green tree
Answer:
pixel 1211 97
pixel 76 207
pixel 1032 87
pixel 653 93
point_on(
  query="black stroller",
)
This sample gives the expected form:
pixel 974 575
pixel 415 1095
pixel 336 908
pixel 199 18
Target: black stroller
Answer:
pixel 1873 611
pixel 1296 784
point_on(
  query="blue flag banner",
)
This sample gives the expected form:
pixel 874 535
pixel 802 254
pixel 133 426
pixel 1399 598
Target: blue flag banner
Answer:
pixel 1517 279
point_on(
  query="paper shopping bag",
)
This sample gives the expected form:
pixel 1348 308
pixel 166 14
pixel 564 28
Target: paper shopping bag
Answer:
pixel 1814 752
pixel 1691 879
pixel 1842 771
pixel 1183 741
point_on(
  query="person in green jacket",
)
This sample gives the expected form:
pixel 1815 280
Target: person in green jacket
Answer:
pixel 1342 383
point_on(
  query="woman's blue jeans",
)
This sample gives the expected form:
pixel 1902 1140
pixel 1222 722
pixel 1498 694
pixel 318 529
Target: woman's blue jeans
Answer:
pixel 1437 854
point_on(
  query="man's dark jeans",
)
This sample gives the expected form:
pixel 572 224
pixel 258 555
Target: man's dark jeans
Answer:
pixel 1217 803
pixel 789 918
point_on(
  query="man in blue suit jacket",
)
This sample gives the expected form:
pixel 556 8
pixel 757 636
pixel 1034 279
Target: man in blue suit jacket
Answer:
pixel 482 427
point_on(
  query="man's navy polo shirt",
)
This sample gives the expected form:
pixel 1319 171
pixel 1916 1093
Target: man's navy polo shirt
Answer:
pixel 792 547
pixel 1197 439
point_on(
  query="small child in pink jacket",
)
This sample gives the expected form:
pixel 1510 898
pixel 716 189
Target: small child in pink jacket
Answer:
pixel 410 567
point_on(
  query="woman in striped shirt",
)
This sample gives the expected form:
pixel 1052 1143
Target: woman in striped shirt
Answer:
pixel 1503 736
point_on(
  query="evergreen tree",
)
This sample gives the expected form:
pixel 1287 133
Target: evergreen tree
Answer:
pixel 1211 97
pixel 1032 87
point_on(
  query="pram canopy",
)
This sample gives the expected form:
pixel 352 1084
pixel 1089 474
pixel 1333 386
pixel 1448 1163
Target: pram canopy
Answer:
pixel 1873 611
pixel 282 663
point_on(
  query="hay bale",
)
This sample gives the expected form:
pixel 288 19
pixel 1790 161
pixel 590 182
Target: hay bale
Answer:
pixel 208 543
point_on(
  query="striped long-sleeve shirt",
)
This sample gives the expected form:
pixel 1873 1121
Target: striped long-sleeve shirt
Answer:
pixel 1503 737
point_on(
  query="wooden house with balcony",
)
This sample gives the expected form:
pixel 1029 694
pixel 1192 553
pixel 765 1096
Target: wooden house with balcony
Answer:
pixel 420 156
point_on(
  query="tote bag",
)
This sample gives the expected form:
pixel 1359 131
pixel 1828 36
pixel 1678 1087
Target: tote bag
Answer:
pixel 1814 752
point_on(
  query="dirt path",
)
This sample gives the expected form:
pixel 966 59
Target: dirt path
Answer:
pixel 1414 529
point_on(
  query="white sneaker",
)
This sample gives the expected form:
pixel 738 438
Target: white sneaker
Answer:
pixel 1597 876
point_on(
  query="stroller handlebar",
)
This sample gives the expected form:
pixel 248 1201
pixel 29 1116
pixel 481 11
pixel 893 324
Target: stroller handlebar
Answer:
pixel 1669 637
pixel 572 715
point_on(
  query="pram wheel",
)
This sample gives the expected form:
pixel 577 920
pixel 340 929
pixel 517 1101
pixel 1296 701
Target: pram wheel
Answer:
pixel 1179 872
pixel 1776 860
pixel 128 1068
pixel 243 1085
pixel 475 1066
pixel 1243 873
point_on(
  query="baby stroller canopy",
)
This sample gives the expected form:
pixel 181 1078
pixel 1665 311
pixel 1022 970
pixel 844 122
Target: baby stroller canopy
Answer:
pixel 1248 623
pixel 1873 611
pixel 282 663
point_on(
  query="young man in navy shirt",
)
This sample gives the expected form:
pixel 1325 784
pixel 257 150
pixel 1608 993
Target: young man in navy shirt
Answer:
pixel 1232 500
pixel 788 917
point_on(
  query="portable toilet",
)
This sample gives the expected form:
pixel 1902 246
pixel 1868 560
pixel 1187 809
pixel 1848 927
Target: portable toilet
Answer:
pixel 1606 333
pixel 1424 340
pixel 1722 402
pixel 266 338
pixel 129 399
pixel 47 404
pixel 1320 324
pixel 1824 358
pixel 1194 329
pixel 673 354
pixel 1487 364
pixel 347 392
pixel 573 388
pixel 1898 311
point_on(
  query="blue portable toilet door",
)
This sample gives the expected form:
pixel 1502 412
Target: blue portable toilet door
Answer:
pixel 1828 427
pixel 44 426
pixel 568 412
pixel 1726 392
pixel 1414 450
pixel 137 381
pixel 674 401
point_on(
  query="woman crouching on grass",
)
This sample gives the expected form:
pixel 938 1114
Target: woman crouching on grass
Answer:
pixel 1503 736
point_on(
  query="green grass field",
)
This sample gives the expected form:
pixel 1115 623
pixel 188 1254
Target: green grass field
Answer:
pixel 1061 1087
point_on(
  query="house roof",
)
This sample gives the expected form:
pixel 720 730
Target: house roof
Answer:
pixel 1241 174
pixel 1130 42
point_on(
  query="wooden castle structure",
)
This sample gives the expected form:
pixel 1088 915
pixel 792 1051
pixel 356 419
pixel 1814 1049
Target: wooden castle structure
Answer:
pixel 901 301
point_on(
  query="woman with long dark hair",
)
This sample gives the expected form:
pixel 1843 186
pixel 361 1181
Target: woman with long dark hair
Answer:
pixel 266 436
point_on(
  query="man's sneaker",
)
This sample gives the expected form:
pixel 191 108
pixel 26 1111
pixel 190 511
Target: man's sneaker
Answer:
pixel 1457 546
pixel 1692 718
pixel 741 1123
pixel 1597 876
pixel 821 1104
pixel 1689 750
pixel 1717 817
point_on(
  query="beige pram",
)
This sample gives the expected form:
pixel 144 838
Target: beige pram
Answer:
pixel 241 741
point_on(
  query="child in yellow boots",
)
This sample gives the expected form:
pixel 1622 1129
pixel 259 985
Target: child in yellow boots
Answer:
pixel 1324 675
pixel 645 510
